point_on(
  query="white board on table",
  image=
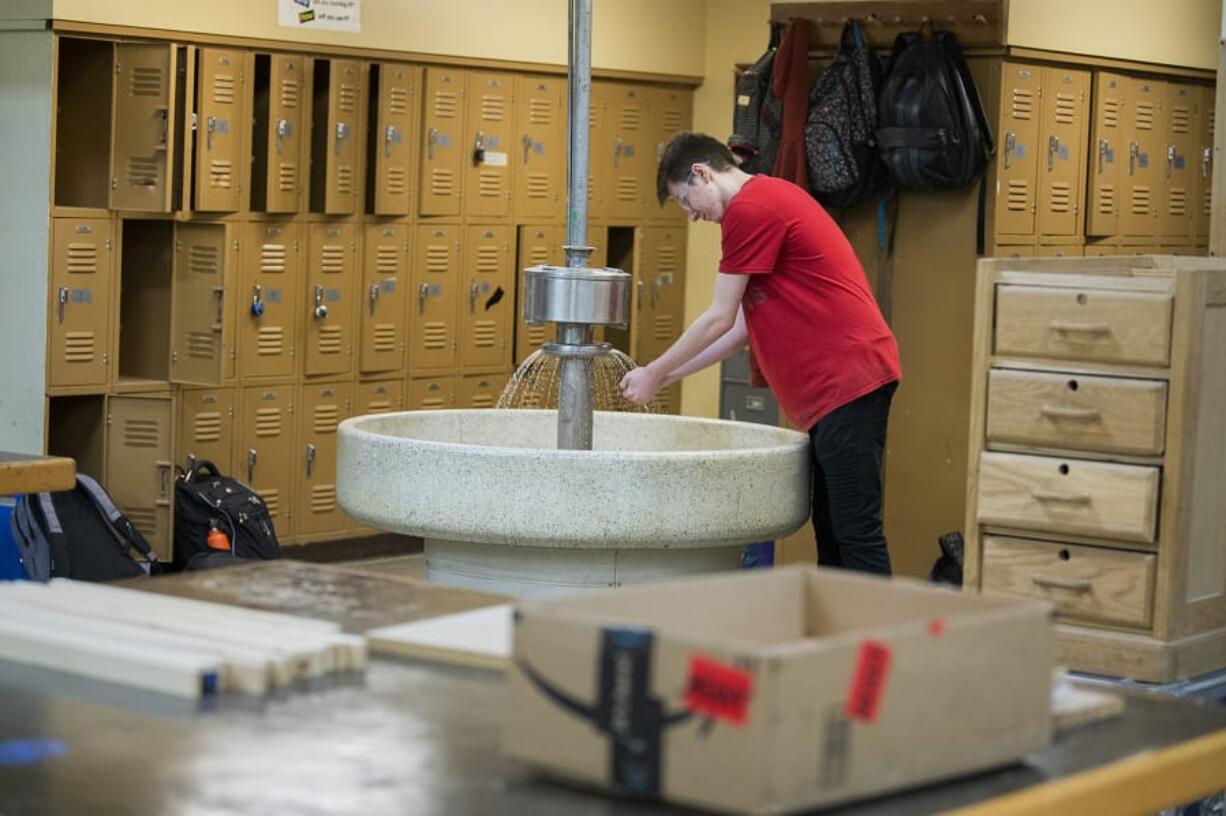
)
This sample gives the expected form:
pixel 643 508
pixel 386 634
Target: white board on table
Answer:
pixel 480 638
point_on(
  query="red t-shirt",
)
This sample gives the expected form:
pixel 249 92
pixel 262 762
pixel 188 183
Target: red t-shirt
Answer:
pixel 814 326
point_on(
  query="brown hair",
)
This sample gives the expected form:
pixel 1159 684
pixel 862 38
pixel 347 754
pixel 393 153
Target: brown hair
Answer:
pixel 683 152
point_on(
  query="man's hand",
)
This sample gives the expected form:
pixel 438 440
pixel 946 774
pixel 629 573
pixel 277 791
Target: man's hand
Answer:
pixel 641 385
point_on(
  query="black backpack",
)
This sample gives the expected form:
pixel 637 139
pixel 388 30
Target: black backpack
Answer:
pixel 932 129
pixel 757 117
pixel 204 500
pixel 845 166
pixel 78 534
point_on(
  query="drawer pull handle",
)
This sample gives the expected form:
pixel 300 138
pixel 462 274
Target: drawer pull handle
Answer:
pixel 1075 584
pixel 1081 328
pixel 1060 412
pixel 1062 498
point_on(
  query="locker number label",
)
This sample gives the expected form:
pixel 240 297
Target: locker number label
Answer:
pixel 495 159
pixel 81 296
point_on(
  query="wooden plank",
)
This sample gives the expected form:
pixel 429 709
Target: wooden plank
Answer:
pixel 20 473
pixel 480 638
pixel 1073 705
pixel 977 23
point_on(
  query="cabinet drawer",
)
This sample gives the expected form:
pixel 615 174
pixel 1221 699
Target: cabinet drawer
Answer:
pixel 1107 414
pixel 1095 583
pixel 1070 496
pixel 1083 324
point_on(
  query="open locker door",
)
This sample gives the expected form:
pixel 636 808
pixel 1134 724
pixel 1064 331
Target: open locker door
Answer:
pixel 143 130
pixel 221 121
pixel 198 308
pixel 1108 153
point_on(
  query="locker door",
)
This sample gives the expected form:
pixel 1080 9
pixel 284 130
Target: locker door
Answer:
pixel 82 270
pixel 634 152
pixel 1063 139
pixel 1066 251
pixel 285 126
pixel 671 113
pixel 1204 163
pixel 443 155
pixel 1108 154
pixel 206 427
pixel 323 408
pixel 143 128
pixel 490 129
pixel 433 300
pixel 331 281
pixel 539 146
pixel 394 142
pixel 482 390
pixel 221 122
pixel 266 447
pixel 537 246
pixel 138 465
pixel 1143 161
pixel 487 313
pixel 1180 161
pixel 668 400
pixel 600 152
pixel 378 397
pixel 383 312
pixel 1016 162
pixel 663 275
pixel 268 297
pixel 198 310
pixel 348 88
pixel 432 394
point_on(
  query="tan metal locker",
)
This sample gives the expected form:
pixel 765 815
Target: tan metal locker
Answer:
pixel 443 153
pixel 668 400
pixel 481 390
pixel 82 271
pixel 487 314
pixel 221 121
pixel 394 144
pixel 538 147
pixel 322 409
pixel 380 397
pixel 207 427
pixel 660 307
pixel 1181 162
pixel 434 299
pixel 337 133
pixel 600 152
pixel 633 152
pixel 265 450
pixel 143 127
pixel 139 469
pixel 1061 173
pixel 331 284
pixel 432 394
pixel 1019 154
pixel 383 298
pixel 1108 154
pixel 537 245
pixel 198 316
pixel 1012 251
pixel 269 297
pixel 489 140
pixel 1203 161
pixel 1059 251
pixel 1142 164
pixel 281 144
pixel 671 114
pixel 1100 249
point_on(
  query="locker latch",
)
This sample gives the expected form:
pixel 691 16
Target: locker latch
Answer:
pixel 63 300
pixel 374 297
pixel 390 137
pixel 1053 147
pixel 1206 161
pixel 1170 159
pixel 342 132
pixel 283 129
pixel 423 292
pixel 1134 150
pixel 220 293
pixel 164 115
pixel 210 128
pixel 310 459
pixel 1104 147
pixel 431 141
pixel 1010 143
pixel 257 301
pixel 474 290
pixel 527 142
pixel 618 147
pixel 639 286
pixel 251 457
pixel 479 148
pixel 321 310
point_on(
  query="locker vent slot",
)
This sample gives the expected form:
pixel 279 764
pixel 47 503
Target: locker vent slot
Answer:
pixel 270 341
pixel 627 188
pixel 201 345
pixel 397 180
pixel 1023 104
pixel 432 403
pixel 489 183
pixel 1066 109
pixel 665 328
pixel 141 433
pixel 1177 201
pixel 1106 199
pixel 1210 114
pixel 79 347
pixel 1207 195
pixel 493 107
pixel 538 185
pixel 142 172
pixel 326 418
pixel 207 427
pixel 223 89
pixel 387 259
pixel 1181 119
pixel 538 335
pixel 538 255
pixel 1145 116
pixel 397 101
pixel 268 422
pixel 344 178
pixel 378 406
pixel 145 81
pixel 631 118
pixel 289 93
pixel 287 177
pixel 1061 197
pixel 330 340
pixel 666 259
pixel 332 259
pixel 1140 201
pixel 446 104
pixel 483 400
pixel 82 259
pixel 347 98
pixel 487 259
pixel 144 519
pixel 1018 199
pixel 272 258
pixel 442 182
pixel 385 337
pixel 438 259
pixel 323 498
pixel 272 500
pixel 203 260
pixel 672 121
pixel 540 111
pixel 434 335
pixel 1111 113
pixel 485 334
pixel 221 174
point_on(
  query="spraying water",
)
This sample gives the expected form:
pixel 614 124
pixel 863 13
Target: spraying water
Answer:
pixel 535 383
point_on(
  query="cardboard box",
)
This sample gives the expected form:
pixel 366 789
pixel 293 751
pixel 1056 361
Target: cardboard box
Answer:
pixel 777 690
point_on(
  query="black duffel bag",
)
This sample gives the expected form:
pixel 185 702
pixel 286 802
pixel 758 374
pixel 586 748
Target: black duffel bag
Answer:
pixel 207 502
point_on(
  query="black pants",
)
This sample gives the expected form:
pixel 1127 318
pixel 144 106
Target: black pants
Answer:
pixel 848 447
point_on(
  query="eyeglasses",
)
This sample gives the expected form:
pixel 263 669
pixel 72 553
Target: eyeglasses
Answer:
pixel 683 198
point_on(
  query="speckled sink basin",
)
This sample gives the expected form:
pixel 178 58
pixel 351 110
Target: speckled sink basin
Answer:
pixel 657 495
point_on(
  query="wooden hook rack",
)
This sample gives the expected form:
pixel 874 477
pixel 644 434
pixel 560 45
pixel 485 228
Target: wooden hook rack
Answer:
pixel 977 23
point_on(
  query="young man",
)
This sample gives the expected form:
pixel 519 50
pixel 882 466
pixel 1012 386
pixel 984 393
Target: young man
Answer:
pixel 791 285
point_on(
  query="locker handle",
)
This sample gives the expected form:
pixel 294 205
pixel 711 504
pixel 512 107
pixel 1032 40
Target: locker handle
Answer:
pixel 220 292
pixel 1075 584
pixel 164 115
pixel 1062 412
pixel 1170 159
pixel 320 311
pixel 617 151
pixel 283 130
pixel 257 301
pixel 1134 150
pixel 310 458
pixel 210 128
pixel 63 299
pixel 1103 147
pixel 1010 144
pixel 656 285
pixel 1075 326
pixel 164 477
pixel 342 132
pixel 479 148
pixel 431 140
pixel 474 290
pixel 1060 498
pixel 389 137
pixel 1206 161
pixel 1053 147
pixel 639 286
pixel 374 297
pixel 251 459
pixel 527 141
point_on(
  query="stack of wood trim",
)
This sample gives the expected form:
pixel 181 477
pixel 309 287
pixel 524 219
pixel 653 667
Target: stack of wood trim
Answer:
pixel 171 645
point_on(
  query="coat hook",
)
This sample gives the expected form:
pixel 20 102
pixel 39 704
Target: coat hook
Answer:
pixel 873 19
pixel 979 18
pixel 952 20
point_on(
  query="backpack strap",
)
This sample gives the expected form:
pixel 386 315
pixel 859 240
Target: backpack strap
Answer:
pixel 118 520
pixel 28 534
pixel 950 42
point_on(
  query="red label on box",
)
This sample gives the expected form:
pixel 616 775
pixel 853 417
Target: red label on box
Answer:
pixel 936 627
pixel 868 681
pixel 718 690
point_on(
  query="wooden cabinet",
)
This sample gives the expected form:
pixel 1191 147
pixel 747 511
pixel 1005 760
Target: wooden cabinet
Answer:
pixel 1096 476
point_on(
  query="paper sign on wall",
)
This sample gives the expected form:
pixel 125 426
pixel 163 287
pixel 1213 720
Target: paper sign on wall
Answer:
pixel 330 15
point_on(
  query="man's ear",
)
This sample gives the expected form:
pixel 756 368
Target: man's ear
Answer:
pixel 702 170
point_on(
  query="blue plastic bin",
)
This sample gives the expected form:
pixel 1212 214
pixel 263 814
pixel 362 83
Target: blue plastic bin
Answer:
pixel 10 558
